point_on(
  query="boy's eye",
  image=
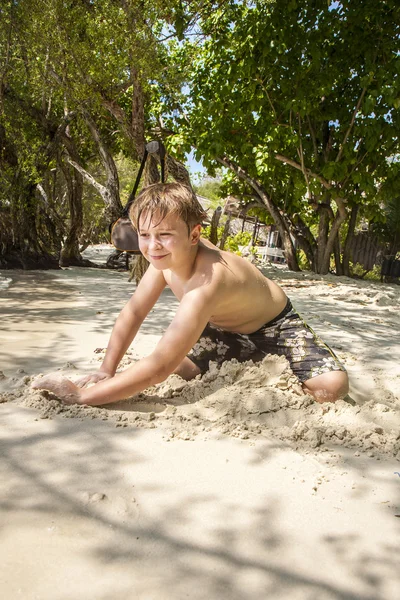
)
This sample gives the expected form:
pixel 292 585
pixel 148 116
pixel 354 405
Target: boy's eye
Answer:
pixel 144 235
pixel 164 234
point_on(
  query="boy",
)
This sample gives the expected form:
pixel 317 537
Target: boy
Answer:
pixel 227 309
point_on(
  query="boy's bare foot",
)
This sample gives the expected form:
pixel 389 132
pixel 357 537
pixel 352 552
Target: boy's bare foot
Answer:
pixel 60 386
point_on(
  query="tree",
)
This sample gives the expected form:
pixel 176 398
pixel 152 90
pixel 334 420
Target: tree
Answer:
pixel 298 100
pixel 84 87
pixel 29 136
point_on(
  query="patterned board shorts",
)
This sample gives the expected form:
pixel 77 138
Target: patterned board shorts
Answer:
pixel 286 335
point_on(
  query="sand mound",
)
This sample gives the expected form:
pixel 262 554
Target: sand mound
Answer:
pixel 359 319
pixel 244 400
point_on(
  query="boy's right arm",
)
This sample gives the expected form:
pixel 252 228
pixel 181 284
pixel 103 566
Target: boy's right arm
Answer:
pixel 128 323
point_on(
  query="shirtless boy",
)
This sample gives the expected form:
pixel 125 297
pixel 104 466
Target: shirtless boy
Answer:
pixel 227 309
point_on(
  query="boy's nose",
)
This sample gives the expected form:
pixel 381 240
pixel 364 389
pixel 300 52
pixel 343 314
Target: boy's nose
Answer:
pixel 155 243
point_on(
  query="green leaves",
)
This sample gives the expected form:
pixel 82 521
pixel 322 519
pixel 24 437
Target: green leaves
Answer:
pixel 316 83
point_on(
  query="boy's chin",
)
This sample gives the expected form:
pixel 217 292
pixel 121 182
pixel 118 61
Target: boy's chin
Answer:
pixel 158 264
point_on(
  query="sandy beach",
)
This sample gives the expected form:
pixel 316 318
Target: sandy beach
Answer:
pixel 232 486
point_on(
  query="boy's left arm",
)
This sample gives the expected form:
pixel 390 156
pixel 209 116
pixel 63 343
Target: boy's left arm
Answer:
pixel 185 329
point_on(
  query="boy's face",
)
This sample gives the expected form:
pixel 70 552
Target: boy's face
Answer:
pixel 166 244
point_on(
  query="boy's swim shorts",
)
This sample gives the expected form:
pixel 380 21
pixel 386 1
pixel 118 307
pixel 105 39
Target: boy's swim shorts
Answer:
pixel 286 335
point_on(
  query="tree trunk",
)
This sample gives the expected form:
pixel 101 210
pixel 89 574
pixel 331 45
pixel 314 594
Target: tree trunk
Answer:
pixel 21 246
pixel 225 233
pixel 304 238
pixel 151 173
pixel 327 236
pixel 336 252
pixel 214 225
pixel 134 130
pixel 349 240
pixel 136 135
pixel 70 252
pixel 111 191
pixel 322 265
pixel 282 226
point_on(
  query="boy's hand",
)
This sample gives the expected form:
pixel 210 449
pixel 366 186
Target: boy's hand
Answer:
pixel 92 378
pixel 60 386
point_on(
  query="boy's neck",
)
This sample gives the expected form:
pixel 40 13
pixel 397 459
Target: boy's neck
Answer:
pixel 185 271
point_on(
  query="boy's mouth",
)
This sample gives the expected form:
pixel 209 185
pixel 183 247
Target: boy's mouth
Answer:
pixel 158 257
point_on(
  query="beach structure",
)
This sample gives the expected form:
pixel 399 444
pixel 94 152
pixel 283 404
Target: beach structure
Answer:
pixel 265 238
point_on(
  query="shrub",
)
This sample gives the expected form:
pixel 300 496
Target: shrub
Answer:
pixel 240 239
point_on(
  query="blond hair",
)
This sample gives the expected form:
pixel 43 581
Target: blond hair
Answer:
pixel 162 199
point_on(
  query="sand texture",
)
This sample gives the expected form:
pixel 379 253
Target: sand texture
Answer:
pixel 132 500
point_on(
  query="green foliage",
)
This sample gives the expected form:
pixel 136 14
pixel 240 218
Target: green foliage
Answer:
pixel 89 59
pixel 232 241
pixel 357 270
pixel 392 211
pixel 127 172
pixel 211 189
pixel 303 261
pixel 240 239
pixel 205 232
pixel 314 83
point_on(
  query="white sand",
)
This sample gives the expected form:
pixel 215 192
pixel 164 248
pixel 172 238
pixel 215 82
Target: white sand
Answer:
pixel 234 486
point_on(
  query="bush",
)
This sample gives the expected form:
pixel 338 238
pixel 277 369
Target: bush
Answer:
pixel 358 271
pixel 232 241
pixel 303 261
pixel 240 239
pixel 205 232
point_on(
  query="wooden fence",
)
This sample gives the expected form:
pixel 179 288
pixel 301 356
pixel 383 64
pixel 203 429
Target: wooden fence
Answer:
pixel 367 250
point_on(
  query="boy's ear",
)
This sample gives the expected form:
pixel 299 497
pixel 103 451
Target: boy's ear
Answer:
pixel 195 234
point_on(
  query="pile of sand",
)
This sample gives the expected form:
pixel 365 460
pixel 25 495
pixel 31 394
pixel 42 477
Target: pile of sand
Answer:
pixel 244 400
pixel 359 319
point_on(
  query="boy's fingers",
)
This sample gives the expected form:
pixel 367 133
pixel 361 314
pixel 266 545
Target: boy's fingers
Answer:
pixel 82 382
pixel 85 380
pixel 93 378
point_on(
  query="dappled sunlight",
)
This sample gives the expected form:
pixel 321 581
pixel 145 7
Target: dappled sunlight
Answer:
pixel 235 540
pixel 50 315
pixel 233 486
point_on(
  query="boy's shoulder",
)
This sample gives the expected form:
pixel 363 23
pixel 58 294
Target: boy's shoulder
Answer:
pixel 216 269
pixel 208 263
pixel 211 258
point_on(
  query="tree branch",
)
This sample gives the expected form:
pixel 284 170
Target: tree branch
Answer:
pixel 260 81
pixel 100 188
pixel 353 118
pixel 314 140
pixel 296 165
pixel 274 211
pixel 304 170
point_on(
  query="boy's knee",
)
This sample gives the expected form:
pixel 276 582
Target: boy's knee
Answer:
pixel 328 387
pixel 187 369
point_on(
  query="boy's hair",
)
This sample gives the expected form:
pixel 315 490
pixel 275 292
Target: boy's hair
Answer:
pixel 162 199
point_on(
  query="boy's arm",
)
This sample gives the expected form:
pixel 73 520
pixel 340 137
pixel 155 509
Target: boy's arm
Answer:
pixel 191 317
pixel 185 329
pixel 128 323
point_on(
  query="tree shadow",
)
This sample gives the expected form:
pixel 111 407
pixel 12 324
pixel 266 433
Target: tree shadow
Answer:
pixel 67 306
pixel 188 543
